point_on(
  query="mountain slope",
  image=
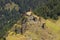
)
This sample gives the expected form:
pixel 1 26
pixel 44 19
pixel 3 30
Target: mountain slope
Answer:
pixel 33 30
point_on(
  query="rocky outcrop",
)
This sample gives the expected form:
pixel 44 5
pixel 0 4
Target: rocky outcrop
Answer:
pixel 33 28
pixel 30 20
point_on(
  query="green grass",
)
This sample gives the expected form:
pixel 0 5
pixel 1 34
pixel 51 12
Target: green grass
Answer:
pixel 54 27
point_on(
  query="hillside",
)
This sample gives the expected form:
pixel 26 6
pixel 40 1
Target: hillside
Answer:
pixel 33 29
pixel 29 19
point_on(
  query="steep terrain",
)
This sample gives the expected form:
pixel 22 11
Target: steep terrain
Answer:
pixel 32 27
pixel 17 24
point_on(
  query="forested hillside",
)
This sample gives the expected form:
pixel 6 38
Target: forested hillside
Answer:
pixel 45 8
pixel 11 11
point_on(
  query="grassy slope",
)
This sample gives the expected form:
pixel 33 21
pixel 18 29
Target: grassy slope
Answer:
pixel 54 28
